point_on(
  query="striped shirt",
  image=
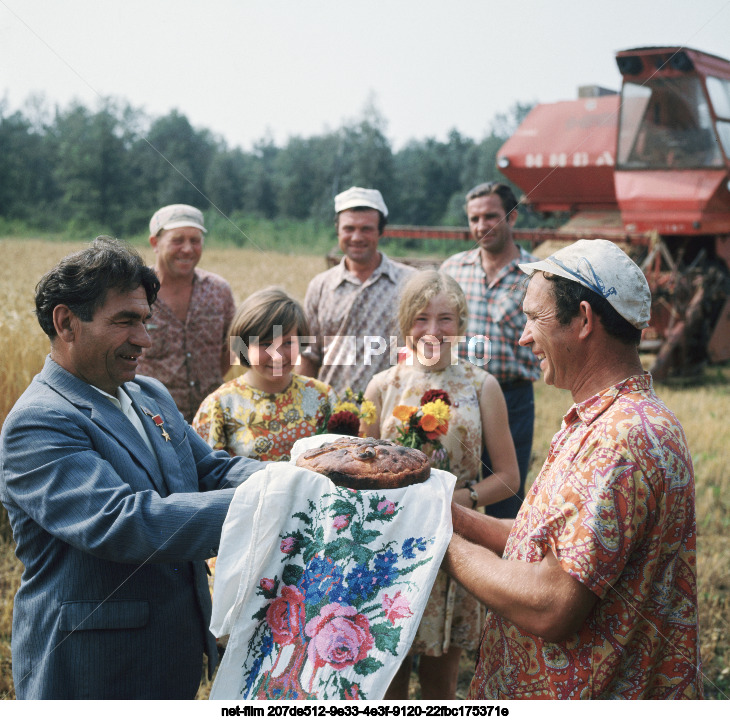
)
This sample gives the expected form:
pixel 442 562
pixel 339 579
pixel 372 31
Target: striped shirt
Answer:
pixel 354 324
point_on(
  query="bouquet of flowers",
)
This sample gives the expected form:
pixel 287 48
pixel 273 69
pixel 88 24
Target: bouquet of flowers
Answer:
pixel 421 426
pixel 344 417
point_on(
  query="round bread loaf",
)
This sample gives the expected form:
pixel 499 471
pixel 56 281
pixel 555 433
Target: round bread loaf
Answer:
pixel 367 463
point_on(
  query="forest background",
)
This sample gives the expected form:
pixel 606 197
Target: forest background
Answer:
pixel 79 171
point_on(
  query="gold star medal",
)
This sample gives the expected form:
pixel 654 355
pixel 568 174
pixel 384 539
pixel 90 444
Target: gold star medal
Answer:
pixel 158 421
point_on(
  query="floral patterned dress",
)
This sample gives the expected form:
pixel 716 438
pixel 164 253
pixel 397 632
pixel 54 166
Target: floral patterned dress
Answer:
pixel 248 422
pixel 452 615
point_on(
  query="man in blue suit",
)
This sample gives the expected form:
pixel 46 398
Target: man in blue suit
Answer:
pixel 114 501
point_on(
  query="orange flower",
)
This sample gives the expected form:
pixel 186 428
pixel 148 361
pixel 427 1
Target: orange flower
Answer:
pixel 429 423
pixel 440 431
pixel 404 413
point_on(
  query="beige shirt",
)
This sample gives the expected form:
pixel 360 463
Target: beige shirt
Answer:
pixel 354 323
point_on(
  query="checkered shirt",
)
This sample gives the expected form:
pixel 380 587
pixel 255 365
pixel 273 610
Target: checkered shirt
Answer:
pixel 495 311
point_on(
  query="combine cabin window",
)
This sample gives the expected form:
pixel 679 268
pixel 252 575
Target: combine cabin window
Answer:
pixel 719 91
pixel 666 123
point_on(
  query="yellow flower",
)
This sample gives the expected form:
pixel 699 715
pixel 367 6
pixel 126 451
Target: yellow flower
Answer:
pixel 404 413
pixel 438 409
pixel 368 412
pixel 347 406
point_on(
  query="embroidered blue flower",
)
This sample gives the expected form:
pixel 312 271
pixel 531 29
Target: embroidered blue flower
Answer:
pixel 319 577
pixel 361 582
pixel 385 570
pixel 411 545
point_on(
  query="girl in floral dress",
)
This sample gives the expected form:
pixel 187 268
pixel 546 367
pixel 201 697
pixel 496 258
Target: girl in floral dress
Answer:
pixel 261 413
pixel 432 315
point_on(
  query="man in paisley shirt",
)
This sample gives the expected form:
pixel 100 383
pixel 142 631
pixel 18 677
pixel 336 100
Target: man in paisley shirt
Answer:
pixel 592 589
pixel 190 319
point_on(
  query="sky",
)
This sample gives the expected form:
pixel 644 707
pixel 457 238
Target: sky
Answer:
pixel 248 69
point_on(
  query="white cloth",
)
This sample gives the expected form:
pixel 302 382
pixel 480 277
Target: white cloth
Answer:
pixel 322 588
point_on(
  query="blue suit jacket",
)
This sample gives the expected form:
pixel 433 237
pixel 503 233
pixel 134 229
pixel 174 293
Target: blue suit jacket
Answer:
pixel 113 601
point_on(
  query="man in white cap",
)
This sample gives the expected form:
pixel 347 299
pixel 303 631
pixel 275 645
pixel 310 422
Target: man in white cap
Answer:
pixel 352 308
pixel 592 589
pixel 190 319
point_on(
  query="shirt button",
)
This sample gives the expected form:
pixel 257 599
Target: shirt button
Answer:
pixel 189 354
pixel 192 383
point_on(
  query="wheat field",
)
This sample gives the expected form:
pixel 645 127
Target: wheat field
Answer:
pixel 702 409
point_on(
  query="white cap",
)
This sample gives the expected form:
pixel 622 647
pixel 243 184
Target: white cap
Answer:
pixel 360 198
pixel 604 268
pixel 176 216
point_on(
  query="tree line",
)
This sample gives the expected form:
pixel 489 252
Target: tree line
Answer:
pixel 112 166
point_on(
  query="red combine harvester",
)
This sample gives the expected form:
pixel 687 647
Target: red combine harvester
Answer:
pixel 649 168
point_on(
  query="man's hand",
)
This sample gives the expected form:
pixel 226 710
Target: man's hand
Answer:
pixel 480 529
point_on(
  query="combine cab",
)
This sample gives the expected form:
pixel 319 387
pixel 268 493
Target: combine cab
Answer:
pixel 649 168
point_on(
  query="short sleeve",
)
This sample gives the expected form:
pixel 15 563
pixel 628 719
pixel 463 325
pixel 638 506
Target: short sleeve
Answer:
pixel 210 424
pixel 229 310
pixel 597 518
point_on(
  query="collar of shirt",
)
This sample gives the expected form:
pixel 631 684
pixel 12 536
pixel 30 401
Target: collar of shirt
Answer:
pixel 474 257
pixel 124 403
pixel 591 408
pixel 385 268
pixel 159 306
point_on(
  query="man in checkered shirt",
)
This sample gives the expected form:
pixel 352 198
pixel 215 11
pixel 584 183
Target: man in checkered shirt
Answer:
pixel 494 286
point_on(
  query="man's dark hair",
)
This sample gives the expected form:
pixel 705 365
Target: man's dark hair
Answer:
pixel 569 295
pixel 509 202
pixel 81 280
pixel 382 219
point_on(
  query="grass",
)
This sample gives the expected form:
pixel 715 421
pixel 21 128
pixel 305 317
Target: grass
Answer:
pixel 702 409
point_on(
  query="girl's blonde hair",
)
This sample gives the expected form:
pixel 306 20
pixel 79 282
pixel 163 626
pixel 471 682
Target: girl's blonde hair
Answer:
pixel 420 289
pixel 264 309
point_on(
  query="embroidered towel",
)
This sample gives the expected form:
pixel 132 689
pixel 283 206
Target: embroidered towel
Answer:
pixel 322 588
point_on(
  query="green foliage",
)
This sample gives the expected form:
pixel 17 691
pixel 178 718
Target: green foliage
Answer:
pixel 86 171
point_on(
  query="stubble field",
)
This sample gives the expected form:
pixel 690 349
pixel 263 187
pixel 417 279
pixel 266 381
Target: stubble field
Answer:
pixel 703 411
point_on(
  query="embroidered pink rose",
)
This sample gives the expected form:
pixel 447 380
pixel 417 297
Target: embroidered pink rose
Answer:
pixel 286 614
pixel 387 507
pixel 267 584
pixel 396 607
pixel 340 522
pixel 288 544
pixel 340 637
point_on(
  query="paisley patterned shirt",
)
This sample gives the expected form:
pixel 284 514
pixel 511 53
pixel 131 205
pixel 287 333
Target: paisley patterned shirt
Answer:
pixel 248 422
pixel 615 503
pixel 186 357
